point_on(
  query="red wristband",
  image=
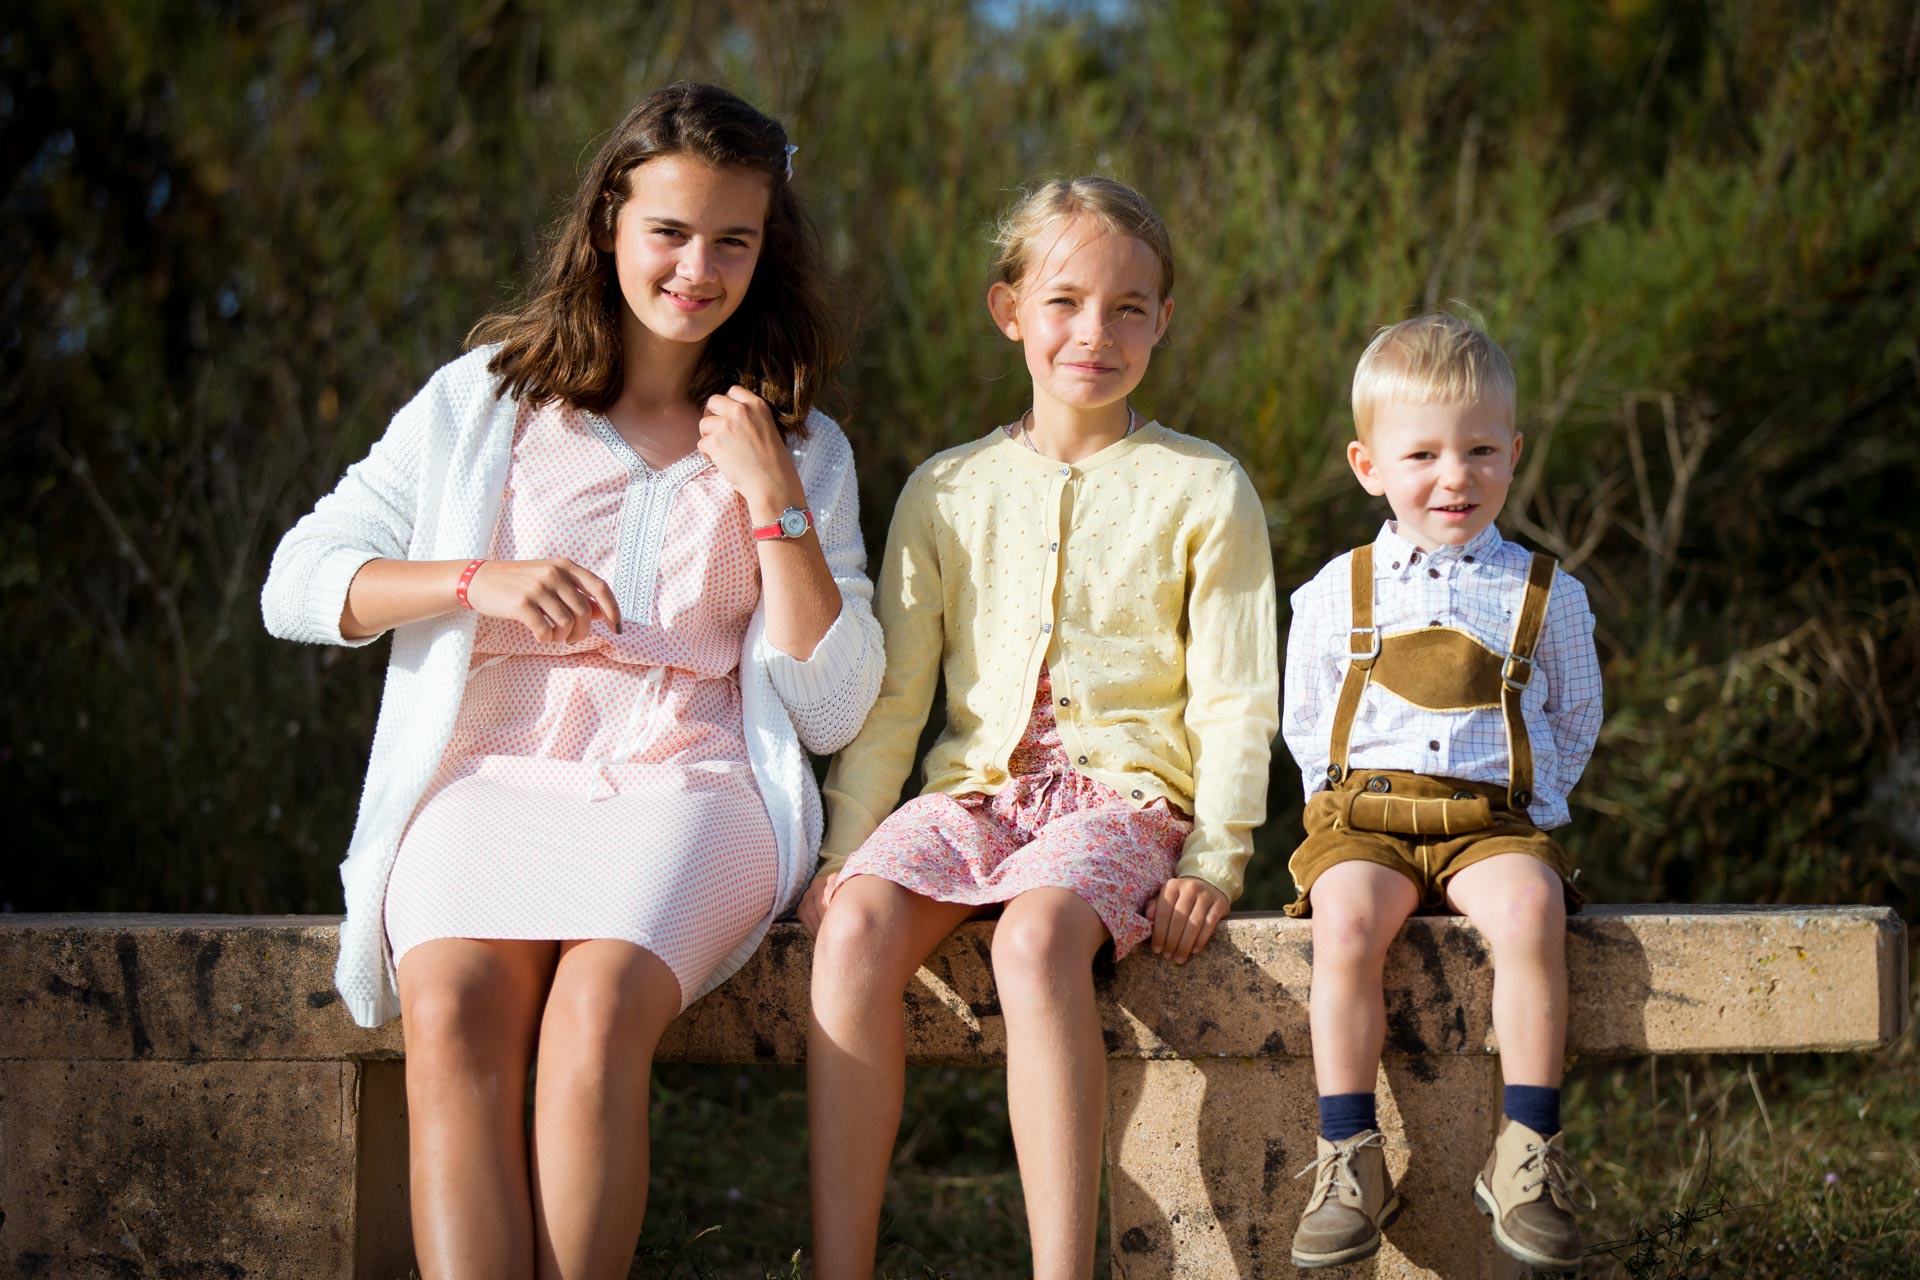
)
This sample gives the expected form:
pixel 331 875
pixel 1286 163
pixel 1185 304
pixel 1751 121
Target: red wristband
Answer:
pixel 466 577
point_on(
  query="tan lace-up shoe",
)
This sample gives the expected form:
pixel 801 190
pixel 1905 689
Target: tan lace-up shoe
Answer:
pixel 1352 1201
pixel 1528 1189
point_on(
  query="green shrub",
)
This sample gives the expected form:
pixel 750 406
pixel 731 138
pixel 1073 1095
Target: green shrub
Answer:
pixel 236 242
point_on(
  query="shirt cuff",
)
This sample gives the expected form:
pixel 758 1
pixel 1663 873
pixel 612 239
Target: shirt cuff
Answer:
pixel 1222 871
pixel 804 685
pixel 326 594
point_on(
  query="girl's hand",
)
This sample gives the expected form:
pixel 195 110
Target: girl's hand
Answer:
pixel 1184 916
pixel 739 434
pixel 813 905
pixel 556 599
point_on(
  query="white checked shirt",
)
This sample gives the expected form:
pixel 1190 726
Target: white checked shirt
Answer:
pixel 1477 588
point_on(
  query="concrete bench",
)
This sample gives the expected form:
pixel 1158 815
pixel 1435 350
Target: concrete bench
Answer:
pixel 183 1095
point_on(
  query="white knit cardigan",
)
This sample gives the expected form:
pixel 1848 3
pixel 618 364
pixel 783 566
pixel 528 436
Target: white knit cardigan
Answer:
pixel 431 490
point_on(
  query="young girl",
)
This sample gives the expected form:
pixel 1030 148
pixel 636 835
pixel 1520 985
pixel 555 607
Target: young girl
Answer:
pixel 621 559
pixel 1098 591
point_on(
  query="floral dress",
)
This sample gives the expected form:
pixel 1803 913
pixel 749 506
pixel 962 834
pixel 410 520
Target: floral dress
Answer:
pixel 1048 827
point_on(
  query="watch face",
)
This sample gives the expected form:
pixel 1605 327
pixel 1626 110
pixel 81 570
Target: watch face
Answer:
pixel 792 523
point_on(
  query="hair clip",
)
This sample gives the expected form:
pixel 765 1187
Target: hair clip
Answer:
pixel 791 148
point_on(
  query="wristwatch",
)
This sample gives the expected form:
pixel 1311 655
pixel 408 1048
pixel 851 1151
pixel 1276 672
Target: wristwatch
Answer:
pixel 793 523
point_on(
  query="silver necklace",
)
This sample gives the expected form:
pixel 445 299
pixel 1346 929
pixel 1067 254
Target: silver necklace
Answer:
pixel 1026 429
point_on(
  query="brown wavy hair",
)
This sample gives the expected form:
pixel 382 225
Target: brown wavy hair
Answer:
pixel 784 340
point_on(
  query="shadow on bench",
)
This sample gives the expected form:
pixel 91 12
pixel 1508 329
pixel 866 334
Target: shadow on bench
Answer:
pixel 186 1093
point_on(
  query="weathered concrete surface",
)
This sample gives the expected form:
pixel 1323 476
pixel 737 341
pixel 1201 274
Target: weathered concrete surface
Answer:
pixel 189 1091
pixel 1643 980
pixel 177 988
pixel 1202 1158
pixel 1735 979
pixel 382 1225
pixel 115 1169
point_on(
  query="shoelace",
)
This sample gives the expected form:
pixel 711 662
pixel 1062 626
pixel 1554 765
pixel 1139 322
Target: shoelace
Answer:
pixel 1557 1174
pixel 1337 1165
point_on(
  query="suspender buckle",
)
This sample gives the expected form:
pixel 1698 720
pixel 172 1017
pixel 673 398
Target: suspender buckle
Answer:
pixel 1513 678
pixel 1373 633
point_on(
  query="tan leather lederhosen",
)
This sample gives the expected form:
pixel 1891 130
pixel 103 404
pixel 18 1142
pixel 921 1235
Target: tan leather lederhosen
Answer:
pixel 1429 828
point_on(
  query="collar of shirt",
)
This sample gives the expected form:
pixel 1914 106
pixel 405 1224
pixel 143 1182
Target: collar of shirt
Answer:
pixel 1395 557
pixel 1012 447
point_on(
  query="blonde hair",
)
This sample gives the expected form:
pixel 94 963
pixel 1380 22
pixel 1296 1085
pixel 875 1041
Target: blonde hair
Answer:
pixel 1432 359
pixel 1113 206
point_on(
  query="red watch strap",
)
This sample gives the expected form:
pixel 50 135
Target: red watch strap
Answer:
pixel 773 532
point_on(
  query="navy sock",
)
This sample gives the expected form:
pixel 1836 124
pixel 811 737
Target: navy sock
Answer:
pixel 1344 1114
pixel 1534 1106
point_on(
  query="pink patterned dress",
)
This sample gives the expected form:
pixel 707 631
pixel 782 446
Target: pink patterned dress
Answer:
pixel 1048 827
pixel 606 782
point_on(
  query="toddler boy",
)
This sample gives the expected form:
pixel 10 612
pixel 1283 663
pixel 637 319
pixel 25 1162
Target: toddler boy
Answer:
pixel 1442 697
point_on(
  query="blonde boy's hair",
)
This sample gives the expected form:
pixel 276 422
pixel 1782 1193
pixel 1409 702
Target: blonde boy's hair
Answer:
pixel 1112 205
pixel 1432 359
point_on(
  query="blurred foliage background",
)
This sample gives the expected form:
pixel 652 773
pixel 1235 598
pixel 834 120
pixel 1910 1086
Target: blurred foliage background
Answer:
pixel 234 238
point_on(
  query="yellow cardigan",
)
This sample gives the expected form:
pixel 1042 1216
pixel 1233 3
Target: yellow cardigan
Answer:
pixel 1142 576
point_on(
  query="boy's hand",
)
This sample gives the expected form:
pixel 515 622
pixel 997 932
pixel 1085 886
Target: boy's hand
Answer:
pixel 813 904
pixel 1184 916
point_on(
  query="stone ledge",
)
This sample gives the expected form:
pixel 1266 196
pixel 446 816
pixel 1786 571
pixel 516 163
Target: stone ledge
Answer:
pixel 185 1094
pixel 1643 980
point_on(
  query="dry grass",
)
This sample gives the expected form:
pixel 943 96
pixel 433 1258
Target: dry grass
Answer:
pixel 1814 1158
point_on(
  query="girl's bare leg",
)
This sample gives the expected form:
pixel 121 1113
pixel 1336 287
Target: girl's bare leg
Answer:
pixel 871 941
pixel 1358 907
pixel 609 1004
pixel 470 1008
pixel 1043 950
pixel 1517 903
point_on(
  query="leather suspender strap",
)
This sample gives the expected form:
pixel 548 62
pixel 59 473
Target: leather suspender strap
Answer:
pixel 1363 647
pixel 1516 673
pixel 1361 569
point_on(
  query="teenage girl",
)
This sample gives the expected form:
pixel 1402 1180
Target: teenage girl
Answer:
pixel 1098 592
pixel 622 563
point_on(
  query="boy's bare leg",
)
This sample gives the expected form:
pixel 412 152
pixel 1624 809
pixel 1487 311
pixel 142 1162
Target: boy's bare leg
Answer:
pixel 1043 951
pixel 1358 907
pixel 872 939
pixel 1526 1187
pixel 1518 905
